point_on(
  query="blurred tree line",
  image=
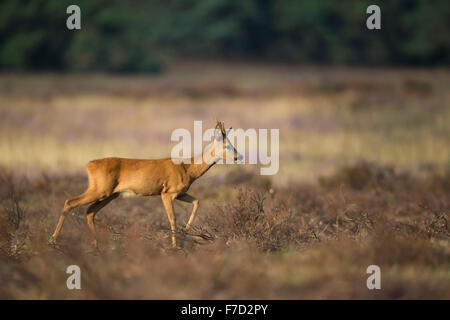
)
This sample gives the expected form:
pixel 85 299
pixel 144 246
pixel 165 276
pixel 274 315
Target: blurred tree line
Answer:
pixel 139 35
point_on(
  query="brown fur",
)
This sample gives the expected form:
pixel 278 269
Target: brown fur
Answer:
pixel 110 177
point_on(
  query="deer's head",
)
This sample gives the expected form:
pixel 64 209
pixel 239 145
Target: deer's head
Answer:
pixel 223 148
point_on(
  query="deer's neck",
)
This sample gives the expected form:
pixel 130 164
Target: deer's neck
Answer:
pixel 201 163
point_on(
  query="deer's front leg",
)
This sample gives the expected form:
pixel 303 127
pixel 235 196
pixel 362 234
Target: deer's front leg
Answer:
pixel 190 199
pixel 167 199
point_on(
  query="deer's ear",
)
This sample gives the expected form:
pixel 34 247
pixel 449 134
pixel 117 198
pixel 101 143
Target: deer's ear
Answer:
pixel 228 131
pixel 222 128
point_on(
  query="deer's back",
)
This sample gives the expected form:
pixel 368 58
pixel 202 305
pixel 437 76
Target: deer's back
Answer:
pixel 138 176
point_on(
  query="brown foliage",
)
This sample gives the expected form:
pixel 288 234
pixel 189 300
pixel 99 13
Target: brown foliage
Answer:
pixel 305 241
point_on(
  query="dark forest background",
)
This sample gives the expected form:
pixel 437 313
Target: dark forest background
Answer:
pixel 141 35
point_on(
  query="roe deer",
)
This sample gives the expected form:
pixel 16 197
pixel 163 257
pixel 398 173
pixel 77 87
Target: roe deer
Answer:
pixel 110 177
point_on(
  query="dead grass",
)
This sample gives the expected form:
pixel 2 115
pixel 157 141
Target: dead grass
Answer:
pixel 306 241
pixel 364 179
pixel 327 117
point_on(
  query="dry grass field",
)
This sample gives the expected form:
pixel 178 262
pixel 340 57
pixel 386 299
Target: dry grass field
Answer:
pixel 364 180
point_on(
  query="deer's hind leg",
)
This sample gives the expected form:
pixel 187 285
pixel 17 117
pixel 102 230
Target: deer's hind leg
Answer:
pixel 85 198
pixel 190 199
pixel 92 211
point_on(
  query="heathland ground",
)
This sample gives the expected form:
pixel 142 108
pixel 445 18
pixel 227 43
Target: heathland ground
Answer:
pixel 364 179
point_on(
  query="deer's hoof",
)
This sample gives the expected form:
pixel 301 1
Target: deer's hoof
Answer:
pixel 52 241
